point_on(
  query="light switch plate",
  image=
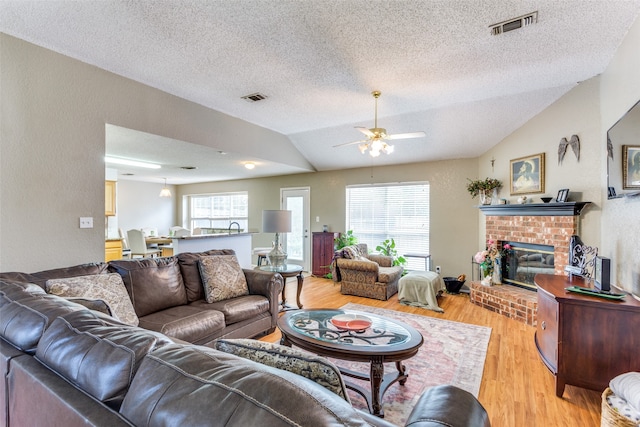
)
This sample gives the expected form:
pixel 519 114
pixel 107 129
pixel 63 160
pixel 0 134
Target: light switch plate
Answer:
pixel 86 222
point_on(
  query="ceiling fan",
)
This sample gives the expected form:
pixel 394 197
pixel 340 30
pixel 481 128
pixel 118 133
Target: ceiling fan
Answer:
pixel 377 137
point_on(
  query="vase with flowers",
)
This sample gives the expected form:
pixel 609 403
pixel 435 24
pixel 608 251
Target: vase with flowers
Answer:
pixel 490 262
pixel 483 188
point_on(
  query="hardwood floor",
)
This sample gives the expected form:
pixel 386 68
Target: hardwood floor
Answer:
pixel 516 390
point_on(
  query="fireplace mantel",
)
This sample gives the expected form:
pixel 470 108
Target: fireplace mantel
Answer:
pixel 535 209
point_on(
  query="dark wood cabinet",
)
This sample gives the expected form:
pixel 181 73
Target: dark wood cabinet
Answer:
pixel 584 340
pixel 322 252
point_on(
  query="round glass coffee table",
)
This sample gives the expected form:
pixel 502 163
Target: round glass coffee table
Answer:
pixel 386 340
pixel 286 271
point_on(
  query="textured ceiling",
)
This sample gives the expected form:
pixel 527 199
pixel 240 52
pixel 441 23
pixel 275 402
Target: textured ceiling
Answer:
pixel 439 68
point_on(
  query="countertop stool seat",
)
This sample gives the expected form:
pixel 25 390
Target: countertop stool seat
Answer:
pixel 262 254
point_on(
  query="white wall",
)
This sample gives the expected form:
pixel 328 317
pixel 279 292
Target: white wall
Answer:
pixel 619 91
pixel 139 206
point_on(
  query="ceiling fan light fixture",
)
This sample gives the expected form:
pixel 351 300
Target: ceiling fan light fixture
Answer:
pixel 363 147
pixel 388 149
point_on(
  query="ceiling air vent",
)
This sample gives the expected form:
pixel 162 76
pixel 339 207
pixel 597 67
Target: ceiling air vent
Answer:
pixel 254 97
pixel 514 24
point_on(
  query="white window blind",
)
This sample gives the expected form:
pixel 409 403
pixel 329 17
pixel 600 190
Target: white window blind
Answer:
pixel 219 210
pixel 384 211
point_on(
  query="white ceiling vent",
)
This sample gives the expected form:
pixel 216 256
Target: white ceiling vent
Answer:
pixel 254 97
pixel 514 24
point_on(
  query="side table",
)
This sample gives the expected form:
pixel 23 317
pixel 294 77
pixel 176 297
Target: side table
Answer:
pixel 286 271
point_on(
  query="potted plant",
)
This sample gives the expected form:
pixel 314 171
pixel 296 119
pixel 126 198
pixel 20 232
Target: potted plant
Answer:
pixel 388 248
pixel 346 239
pixel 483 188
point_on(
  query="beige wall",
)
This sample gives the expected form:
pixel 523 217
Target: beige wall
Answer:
pixel 52 172
pixel 619 91
pixel 453 212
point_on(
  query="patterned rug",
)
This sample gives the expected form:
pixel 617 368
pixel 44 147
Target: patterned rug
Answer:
pixel 452 353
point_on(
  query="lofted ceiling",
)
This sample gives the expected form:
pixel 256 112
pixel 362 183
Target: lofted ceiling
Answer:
pixel 439 68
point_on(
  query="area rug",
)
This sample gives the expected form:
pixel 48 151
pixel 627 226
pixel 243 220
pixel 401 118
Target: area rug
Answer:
pixel 452 353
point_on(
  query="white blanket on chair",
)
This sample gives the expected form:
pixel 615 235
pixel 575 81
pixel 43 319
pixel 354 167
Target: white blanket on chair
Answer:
pixel 420 289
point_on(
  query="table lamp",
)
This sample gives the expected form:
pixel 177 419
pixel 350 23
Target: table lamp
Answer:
pixel 276 221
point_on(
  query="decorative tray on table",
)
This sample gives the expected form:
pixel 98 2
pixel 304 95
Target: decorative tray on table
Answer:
pixel 351 322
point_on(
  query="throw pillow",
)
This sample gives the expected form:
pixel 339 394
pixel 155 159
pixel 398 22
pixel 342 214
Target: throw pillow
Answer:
pixel 222 277
pixel 107 287
pixel 315 368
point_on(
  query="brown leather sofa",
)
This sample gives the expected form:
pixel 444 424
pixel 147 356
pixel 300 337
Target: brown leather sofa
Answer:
pixel 167 295
pixel 63 364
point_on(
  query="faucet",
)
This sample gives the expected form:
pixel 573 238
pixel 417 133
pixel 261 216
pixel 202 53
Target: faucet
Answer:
pixel 235 224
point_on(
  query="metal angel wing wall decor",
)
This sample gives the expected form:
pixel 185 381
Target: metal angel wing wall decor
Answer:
pixel 574 142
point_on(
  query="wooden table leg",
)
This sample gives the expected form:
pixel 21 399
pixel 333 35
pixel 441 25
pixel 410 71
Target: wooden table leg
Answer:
pixel 299 290
pixel 376 376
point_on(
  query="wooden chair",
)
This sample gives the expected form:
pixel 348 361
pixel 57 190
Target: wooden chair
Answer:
pixel 139 246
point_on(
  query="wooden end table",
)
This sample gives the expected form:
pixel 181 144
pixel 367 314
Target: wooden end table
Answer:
pixel 286 271
pixel 387 340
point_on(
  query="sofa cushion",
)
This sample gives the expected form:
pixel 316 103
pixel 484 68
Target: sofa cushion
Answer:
pixel 186 323
pixel 107 287
pixel 23 322
pixel 222 277
pixel 316 368
pixel 41 277
pixel 224 389
pixel 389 274
pixel 236 309
pixel 153 284
pixel 97 354
pixel 190 270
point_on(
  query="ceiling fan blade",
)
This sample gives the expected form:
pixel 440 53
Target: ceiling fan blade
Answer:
pixel 351 143
pixel 406 135
pixel 365 131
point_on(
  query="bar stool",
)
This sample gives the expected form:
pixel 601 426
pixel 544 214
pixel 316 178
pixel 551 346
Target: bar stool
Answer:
pixel 261 253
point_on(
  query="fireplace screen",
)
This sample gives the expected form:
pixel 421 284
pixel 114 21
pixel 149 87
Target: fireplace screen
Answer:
pixel 524 261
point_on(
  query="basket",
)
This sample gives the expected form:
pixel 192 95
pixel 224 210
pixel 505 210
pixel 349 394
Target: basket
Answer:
pixel 452 284
pixel 610 417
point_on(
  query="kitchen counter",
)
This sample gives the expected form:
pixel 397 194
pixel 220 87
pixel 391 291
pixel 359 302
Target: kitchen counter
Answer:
pixel 239 242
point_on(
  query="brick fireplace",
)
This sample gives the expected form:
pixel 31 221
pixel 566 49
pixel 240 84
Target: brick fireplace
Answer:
pixel 542 224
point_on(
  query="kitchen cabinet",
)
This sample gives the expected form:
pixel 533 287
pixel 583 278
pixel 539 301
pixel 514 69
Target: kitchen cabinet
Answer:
pixel 112 249
pixel 585 340
pixel 110 198
pixel 322 252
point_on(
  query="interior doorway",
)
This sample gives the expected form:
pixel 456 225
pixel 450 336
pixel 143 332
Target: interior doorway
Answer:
pixel 297 243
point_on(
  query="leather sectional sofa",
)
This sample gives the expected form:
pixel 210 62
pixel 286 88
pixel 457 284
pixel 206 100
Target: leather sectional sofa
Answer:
pixel 66 365
pixel 167 296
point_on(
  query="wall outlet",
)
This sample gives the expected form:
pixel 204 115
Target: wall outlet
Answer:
pixel 86 222
pixel 438 269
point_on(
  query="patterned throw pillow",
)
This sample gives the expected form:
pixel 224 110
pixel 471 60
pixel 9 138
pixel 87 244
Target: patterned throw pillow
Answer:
pixel 222 277
pixel 315 368
pixel 107 287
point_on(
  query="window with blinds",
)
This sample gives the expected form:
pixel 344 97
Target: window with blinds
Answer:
pixel 219 210
pixel 391 211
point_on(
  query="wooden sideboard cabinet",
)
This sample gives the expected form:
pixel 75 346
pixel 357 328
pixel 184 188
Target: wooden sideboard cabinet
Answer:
pixel 584 340
pixel 322 252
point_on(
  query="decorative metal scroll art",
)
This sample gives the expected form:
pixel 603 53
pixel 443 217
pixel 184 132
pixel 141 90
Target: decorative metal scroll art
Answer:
pixel 582 258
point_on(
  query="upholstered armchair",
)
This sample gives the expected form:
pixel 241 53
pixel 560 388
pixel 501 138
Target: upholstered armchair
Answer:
pixel 365 275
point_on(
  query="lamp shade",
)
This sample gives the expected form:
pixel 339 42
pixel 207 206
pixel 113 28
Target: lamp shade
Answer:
pixel 276 221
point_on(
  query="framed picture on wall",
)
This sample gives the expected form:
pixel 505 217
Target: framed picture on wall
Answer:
pixel 527 174
pixel 630 166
